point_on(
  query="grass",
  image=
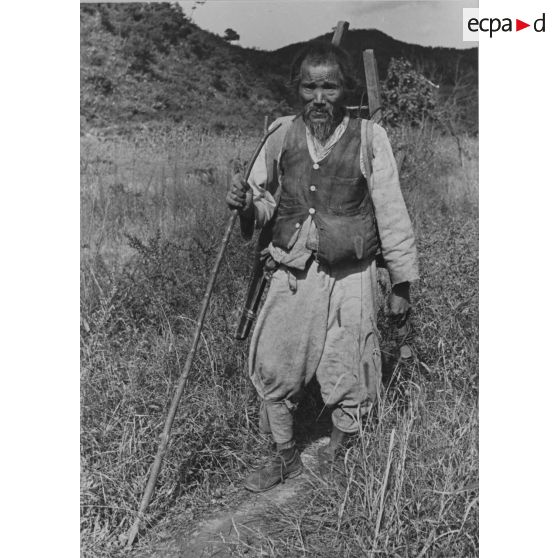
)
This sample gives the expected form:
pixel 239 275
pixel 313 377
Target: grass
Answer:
pixel 152 218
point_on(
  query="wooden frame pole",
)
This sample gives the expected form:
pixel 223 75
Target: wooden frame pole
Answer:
pixel 340 29
pixel 374 107
pixel 372 85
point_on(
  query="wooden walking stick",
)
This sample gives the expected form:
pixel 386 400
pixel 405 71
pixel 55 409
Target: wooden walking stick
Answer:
pixel 163 444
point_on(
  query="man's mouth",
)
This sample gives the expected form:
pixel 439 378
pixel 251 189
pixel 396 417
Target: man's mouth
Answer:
pixel 319 113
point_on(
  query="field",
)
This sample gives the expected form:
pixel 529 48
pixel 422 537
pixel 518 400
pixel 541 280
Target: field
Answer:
pixel 152 217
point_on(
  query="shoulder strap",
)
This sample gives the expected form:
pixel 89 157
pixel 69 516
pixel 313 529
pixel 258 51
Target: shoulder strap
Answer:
pixel 275 141
pixel 367 141
pixel 273 148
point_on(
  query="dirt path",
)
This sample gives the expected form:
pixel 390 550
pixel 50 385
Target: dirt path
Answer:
pixel 212 536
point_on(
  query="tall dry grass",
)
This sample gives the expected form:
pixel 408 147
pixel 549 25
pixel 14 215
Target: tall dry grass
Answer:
pixel 152 217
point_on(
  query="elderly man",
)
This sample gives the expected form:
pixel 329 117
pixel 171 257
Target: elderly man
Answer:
pixel 327 186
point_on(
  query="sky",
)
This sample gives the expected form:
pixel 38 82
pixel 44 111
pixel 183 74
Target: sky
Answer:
pixel 271 24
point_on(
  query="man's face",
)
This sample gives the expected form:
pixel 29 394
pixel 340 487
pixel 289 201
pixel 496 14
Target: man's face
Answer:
pixel 321 92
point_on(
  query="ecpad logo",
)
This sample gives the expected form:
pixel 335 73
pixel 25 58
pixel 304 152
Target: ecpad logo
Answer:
pixel 473 24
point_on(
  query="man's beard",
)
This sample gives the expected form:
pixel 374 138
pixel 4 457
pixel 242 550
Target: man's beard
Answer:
pixel 323 128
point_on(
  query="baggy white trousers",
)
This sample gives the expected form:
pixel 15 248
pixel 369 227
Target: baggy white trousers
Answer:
pixel 319 321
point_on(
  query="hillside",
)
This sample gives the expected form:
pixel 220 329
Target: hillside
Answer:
pixel 146 63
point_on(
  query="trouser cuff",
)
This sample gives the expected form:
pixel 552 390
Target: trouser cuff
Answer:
pixel 284 446
pixel 276 418
pixel 345 421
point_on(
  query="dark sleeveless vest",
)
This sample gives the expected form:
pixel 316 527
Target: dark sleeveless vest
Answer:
pixel 334 192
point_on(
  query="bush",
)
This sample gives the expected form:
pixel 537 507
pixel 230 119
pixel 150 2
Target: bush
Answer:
pixel 407 96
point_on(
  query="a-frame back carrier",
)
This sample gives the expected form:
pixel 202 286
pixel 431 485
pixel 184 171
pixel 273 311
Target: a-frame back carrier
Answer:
pixel 372 85
pixel 374 107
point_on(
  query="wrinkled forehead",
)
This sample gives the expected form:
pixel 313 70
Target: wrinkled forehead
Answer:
pixel 320 71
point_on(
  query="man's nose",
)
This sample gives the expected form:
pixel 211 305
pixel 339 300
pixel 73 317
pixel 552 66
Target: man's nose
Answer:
pixel 318 97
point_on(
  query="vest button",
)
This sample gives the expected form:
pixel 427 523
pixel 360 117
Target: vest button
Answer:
pixel 311 211
pixel 297 226
pixel 312 188
pixel 315 166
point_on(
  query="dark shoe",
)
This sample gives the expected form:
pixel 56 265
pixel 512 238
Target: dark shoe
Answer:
pixel 285 464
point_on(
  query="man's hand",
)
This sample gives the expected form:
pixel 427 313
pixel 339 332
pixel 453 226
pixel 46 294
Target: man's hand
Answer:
pixel 240 196
pixel 399 303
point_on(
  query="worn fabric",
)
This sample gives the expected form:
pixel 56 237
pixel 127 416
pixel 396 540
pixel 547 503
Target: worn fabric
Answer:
pixel 280 415
pixel 320 321
pixel 392 219
pixel 335 194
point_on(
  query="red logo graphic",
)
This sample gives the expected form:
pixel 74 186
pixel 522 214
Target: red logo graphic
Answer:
pixel 519 25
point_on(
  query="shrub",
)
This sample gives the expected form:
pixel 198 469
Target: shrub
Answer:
pixel 407 96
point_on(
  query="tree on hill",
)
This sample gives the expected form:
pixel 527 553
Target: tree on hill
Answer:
pixel 231 35
pixel 147 63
